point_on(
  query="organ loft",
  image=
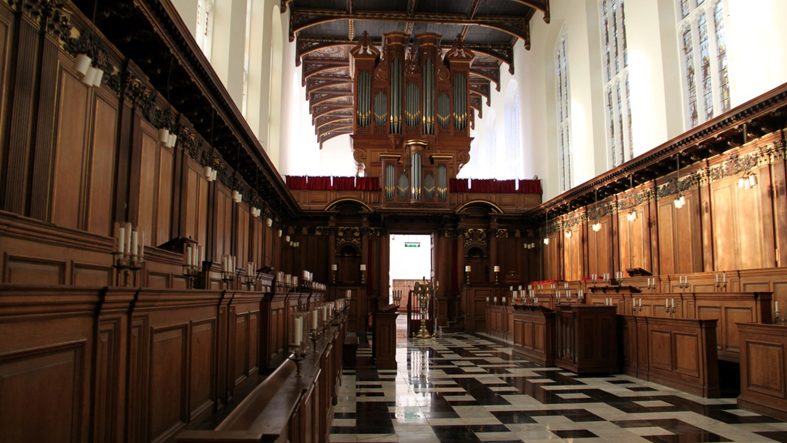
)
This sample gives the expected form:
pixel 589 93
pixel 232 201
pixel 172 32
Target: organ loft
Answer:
pixel 364 220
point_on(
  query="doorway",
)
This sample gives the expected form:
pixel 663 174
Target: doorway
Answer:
pixel 410 262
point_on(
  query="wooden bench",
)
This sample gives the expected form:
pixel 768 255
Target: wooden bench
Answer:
pixel 285 407
pixel 680 353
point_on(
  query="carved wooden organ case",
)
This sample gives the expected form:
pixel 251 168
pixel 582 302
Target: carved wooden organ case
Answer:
pixel 412 116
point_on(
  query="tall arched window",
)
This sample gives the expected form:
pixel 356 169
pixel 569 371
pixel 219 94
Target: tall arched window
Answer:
pixel 513 157
pixel 563 111
pixel 706 82
pixel 205 25
pixel 617 90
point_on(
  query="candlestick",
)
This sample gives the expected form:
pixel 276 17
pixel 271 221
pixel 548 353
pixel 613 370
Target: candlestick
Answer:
pixel 497 268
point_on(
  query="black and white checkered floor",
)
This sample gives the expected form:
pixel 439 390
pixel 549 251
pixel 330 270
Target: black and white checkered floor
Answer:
pixel 468 388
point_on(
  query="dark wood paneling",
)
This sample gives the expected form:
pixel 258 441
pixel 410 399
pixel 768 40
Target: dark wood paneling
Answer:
pixel 764 369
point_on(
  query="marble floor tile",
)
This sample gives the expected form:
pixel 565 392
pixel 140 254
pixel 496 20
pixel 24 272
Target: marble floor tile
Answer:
pixel 470 388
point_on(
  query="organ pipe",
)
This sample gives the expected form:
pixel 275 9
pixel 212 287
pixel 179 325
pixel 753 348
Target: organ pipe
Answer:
pixel 428 87
pixel 415 175
pixel 396 96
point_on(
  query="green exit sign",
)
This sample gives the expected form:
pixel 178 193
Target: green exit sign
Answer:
pixel 412 245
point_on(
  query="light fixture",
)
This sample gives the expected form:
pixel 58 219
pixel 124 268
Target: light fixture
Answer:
pixel 287 238
pixel 632 215
pixel 679 201
pixel 81 64
pixel 93 77
pixel 171 140
pixel 747 181
pixel 568 234
pixel 546 228
pixel 237 196
pixel 255 211
pixel 279 233
pixel 597 225
pixel 269 222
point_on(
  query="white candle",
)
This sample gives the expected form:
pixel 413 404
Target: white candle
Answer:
pixel 724 279
pixel 497 268
pixel 298 330
pixel 717 278
pixel 127 238
pixel 680 279
pixel 347 294
pixel 305 275
pixel 487 299
pixel 187 259
pixel 640 302
pixel 511 288
pixel 314 319
pixel 363 267
pixel 122 239
pixel 673 302
pixel 776 306
pixel 334 267
pixel 324 313
pixel 468 268
pixel 666 303
pixel 134 243
pixel 494 300
pixel 504 300
pixel 142 244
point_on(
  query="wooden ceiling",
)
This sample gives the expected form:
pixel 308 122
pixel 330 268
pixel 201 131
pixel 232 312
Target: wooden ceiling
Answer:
pixel 325 30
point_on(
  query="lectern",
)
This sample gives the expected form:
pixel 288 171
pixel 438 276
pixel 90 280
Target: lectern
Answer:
pixel 586 339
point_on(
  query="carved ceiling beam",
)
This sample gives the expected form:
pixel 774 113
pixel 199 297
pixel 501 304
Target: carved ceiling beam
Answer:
pixel 541 5
pixel 305 18
pixel 305 75
pixel 334 133
pixel 313 86
pixel 503 52
pixel 332 120
pixel 473 9
pixel 314 104
pixel 490 73
pixel 330 109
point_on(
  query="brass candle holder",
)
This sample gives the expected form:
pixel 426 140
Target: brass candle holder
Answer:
pixel 297 356
pixel 422 293
pixel 191 273
pixel 125 264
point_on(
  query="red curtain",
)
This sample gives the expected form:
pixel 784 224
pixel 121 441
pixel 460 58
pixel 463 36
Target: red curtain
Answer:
pixel 295 182
pixel 457 185
pixel 530 186
pixel 485 185
pixel 319 183
pixel 505 186
pixel 368 184
pixel 344 183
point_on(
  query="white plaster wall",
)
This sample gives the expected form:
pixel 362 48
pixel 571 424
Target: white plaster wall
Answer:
pixel 228 46
pixel 188 13
pixel 757 47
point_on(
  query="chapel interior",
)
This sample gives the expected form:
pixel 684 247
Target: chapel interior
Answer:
pixel 393 221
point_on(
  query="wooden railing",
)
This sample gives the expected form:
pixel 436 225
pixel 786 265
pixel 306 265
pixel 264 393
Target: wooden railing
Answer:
pixel 128 364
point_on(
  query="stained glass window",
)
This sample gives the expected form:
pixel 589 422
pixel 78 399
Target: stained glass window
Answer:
pixel 563 111
pixel 616 81
pixel 705 76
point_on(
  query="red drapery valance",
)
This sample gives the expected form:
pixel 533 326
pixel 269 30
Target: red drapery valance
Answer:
pixel 319 183
pixel 505 186
pixel 530 186
pixel 368 183
pixel 295 182
pixel 344 183
pixel 457 185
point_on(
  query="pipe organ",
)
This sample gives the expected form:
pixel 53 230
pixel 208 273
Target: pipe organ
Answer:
pixel 411 107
